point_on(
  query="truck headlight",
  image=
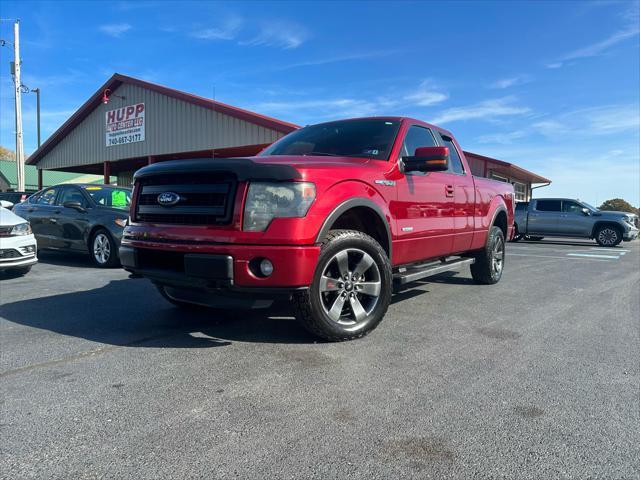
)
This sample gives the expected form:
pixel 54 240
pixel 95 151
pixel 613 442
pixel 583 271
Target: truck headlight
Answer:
pixel 21 229
pixel 266 201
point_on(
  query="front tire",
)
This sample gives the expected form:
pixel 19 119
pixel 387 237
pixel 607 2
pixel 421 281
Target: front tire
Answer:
pixel 103 250
pixel 489 263
pixel 351 288
pixel 608 236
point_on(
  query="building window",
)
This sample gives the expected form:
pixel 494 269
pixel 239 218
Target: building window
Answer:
pixel 495 176
pixel 520 190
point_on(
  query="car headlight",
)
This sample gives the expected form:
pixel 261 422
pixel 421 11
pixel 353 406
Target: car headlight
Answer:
pixel 121 222
pixel 266 201
pixel 21 229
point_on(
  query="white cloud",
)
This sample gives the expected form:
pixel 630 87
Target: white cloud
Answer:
pixel 227 30
pixel 602 120
pixel 510 81
pixel 631 30
pixel 426 95
pixel 279 33
pixel 502 138
pixel 487 109
pixel 338 59
pixel 115 29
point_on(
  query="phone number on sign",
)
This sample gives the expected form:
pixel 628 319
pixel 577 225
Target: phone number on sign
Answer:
pixel 125 139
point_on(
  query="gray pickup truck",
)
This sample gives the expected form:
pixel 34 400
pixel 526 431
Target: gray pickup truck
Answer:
pixel 564 217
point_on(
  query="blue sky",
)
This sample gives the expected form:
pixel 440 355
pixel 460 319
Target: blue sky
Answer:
pixel 551 86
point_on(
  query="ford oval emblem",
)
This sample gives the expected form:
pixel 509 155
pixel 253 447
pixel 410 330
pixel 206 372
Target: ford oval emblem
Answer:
pixel 168 199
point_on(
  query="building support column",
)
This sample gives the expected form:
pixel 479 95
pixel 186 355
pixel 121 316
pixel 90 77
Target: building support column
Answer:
pixel 106 168
pixel 40 179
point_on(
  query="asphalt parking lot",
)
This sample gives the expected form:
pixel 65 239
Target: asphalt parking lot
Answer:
pixel 536 377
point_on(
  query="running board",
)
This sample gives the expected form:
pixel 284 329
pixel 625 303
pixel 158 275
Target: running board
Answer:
pixel 411 274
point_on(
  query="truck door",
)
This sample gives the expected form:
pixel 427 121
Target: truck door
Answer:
pixel 424 212
pixel 573 220
pixel 463 198
pixel 544 217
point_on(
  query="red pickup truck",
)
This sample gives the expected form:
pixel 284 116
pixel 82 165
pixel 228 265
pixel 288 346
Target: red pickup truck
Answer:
pixel 333 217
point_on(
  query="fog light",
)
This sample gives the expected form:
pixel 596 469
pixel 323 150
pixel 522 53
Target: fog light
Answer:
pixel 266 267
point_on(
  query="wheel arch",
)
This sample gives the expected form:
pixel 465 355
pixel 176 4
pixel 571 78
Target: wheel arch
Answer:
pixel 501 219
pixel 606 223
pixel 359 214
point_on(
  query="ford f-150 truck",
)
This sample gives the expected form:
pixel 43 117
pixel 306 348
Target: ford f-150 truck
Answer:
pixel 332 216
pixel 564 217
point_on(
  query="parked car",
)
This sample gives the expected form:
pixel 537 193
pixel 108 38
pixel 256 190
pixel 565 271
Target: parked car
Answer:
pixel 79 218
pixel 330 216
pixel 18 247
pixel 14 197
pixel 564 217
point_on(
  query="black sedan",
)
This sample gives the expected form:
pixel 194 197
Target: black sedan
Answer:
pixel 80 218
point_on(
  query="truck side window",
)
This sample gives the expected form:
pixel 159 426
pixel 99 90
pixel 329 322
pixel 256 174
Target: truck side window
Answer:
pixel 571 207
pixel 417 137
pixel 455 165
pixel 548 205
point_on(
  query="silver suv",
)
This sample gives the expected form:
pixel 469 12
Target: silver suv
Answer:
pixel 564 217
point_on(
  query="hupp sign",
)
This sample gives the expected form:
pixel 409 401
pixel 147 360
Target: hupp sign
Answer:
pixel 125 125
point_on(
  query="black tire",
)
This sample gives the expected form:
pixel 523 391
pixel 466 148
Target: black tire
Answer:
pixel 517 236
pixel 103 249
pixel 489 263
pixel 608 236
pixel 339 309
pixel 534 238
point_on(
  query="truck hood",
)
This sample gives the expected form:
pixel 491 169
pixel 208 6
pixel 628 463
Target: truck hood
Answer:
pixel 274 168
pixel 613 214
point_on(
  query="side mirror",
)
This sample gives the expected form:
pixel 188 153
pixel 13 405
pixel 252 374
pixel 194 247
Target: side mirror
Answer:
pixel 586 211
pixel 75 205
pixel 6 204
pixel 427 159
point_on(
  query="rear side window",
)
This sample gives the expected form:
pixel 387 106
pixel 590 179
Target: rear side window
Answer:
pixel 549 205
pixel 454 158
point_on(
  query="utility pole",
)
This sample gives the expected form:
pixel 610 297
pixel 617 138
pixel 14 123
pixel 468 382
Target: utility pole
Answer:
pixel 37 92
pixel 18 93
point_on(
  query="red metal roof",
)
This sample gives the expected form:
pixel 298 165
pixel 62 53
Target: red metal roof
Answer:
pixel 117 79
pixel 510 169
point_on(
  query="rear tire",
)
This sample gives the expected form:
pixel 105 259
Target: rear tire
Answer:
pixel 103 250
pixel 608 236
pixel 534 238
pixel 351 288
pixel 489 263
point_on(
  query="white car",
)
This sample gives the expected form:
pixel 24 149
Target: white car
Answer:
pixel 18 246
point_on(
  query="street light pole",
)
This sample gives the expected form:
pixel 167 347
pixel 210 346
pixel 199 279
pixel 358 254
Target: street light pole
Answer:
pixel 18 91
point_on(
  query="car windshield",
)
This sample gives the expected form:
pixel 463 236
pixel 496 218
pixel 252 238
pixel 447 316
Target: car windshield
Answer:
pixel 590 207
pixel 109 196
pixel 367 138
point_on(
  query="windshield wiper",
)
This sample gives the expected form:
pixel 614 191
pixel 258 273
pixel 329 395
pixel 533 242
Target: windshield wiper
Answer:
pixel 321 154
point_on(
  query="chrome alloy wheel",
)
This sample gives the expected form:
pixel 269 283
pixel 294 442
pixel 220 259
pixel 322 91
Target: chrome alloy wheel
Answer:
pixel 497 256
pixel 608 236
pixel 101 248
pixel 350 286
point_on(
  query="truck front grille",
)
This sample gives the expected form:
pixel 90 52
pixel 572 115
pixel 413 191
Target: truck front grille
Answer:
pixel 204 199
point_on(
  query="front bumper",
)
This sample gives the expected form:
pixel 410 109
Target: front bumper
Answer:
pixel 630 234
pixel 220 266
pixel 18 251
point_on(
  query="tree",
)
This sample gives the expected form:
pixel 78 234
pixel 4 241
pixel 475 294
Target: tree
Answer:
pixel 619 205
pixel 6 154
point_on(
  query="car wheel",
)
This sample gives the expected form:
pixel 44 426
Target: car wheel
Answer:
pixel 489 264
pixel 534 239
pixel 608 236
pixel 351 288
pixel 102 249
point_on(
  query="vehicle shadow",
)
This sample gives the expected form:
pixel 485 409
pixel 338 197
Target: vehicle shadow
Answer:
pixel 413 289
pixel 131 313
pixel 65 259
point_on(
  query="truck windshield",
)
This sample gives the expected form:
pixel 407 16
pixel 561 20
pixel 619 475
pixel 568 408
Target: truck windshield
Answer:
pixel 367 138
pixel 590 207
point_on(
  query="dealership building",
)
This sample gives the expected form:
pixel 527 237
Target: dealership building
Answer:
pixel 129 123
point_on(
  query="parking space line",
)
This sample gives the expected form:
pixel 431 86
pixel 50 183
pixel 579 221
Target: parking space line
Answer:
pixel 589 257
pixel 593 255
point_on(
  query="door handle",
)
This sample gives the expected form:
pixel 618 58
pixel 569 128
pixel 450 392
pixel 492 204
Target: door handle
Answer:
pixel 449 190
pixel 31 210
pixel 58 212
pixel 53 220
